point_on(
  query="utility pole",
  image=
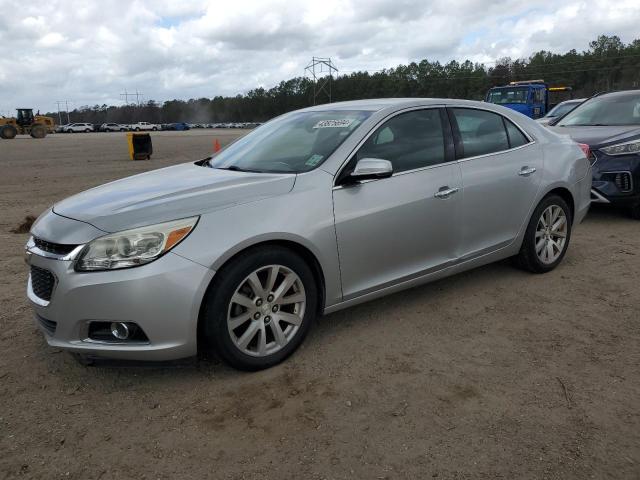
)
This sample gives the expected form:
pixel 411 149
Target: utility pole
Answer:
pixel 58 102
pixel 321 71
pixel 66 104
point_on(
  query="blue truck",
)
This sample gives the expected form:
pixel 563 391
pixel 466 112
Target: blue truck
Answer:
pixel 533 98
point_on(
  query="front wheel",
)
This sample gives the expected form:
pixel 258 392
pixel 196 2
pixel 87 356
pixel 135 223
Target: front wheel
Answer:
pixel 260 308
pixel 38 131
pixel 547 236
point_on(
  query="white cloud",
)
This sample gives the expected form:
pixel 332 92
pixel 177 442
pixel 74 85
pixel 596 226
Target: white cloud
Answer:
pixel 90 51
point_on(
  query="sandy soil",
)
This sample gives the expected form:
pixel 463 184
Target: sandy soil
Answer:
pixel 492 374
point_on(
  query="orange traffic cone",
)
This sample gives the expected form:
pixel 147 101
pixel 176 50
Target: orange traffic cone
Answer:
pixel 216 146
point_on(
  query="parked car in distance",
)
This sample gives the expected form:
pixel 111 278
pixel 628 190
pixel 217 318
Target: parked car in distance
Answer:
pixel 559 110
pixel 610 124
pixel 61 128
pixel 143 126
pixel 78 127
pixel 113 127
pixel 178 126
pixel 317 210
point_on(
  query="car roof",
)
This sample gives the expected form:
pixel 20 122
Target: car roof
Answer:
pixel 377 104
pixel 621 93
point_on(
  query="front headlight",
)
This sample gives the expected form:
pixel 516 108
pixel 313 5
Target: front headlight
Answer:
pixel 626 148
pixel 135 247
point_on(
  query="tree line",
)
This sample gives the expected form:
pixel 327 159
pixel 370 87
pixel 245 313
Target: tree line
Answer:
pixel 608 64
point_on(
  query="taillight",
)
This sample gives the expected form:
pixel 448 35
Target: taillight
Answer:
pixel 585 148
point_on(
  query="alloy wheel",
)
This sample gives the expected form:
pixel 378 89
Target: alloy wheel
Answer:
pixel 551 234
pixel 266 310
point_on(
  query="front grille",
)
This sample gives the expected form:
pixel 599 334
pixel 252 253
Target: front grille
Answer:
pixel 42 282
pixel 48 325
pixel 55 248
pixel 623 181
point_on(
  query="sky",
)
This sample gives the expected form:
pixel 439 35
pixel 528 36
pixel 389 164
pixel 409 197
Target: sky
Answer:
pixel 89 52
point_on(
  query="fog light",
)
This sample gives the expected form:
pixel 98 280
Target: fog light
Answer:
pixel 120 330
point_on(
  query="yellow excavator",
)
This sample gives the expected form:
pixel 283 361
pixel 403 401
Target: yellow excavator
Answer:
pixel 26 123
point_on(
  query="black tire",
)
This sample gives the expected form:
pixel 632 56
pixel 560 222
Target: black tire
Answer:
pixel 87 130
pixel 8 132
pixel 38 131
pixel 154 129
pixel 528 259
pixel 635 212
pixel 214 334
pixel 137 129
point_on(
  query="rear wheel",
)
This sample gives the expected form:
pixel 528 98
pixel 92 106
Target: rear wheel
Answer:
pixel 38 131
pixel 87 130
pixel 260 308
pixel 8 132
pixel 137 129
pixel 547 236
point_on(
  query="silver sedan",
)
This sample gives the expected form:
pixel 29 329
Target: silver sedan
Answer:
pixel 313 212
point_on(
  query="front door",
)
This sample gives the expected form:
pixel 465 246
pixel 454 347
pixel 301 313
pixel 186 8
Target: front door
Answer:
pixel 399 228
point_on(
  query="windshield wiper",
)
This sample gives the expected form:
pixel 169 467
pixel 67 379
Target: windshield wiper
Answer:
pixel 235 168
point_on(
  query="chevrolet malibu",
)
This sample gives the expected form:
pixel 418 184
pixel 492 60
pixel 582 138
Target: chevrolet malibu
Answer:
pixel 315 211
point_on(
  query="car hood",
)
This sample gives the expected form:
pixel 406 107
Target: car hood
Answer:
pixel 597 137
pixel 168 194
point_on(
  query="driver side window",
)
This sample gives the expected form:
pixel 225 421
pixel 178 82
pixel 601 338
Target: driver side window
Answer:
pixel 410 140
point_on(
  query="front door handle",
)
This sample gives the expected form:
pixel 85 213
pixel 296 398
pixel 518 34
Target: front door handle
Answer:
pixel 445 192
pixel 526 171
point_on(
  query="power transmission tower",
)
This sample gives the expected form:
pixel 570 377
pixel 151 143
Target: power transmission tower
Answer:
pixel 321 71
pixel 126 96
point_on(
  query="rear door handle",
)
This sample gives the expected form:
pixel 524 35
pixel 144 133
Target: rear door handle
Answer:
pixel 445 192
pixel 526 171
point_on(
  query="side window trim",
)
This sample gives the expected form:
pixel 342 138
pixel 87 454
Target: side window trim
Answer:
pixel 459 148
pixel 448 143
pixel 506 130
pixel 526 137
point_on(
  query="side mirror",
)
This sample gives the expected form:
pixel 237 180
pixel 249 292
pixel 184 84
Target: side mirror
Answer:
pixel 371 169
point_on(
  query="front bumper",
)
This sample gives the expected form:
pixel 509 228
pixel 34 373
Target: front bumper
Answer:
pixel 163 298
pixel 616 179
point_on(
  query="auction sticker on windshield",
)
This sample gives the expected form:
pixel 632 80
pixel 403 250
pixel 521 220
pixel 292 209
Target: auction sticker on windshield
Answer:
pixel 333 123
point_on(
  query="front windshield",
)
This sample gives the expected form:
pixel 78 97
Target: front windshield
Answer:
pixel 606 110
pixel 294 143
pixel 561 109
pixel 508 95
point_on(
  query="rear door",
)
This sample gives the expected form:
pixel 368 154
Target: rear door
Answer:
pixel 398 228
pixel 501 173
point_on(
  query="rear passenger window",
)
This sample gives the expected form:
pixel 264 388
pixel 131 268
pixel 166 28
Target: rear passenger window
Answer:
pixel 516 138
pixel 410 140
pixel 482 132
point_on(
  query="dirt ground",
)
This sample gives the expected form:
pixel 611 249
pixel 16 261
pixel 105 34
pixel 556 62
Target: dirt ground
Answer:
pixel 492 374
